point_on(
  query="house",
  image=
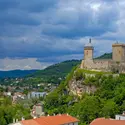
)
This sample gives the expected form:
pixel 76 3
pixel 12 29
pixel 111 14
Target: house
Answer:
pixel 120 117
pixel 17 96
pixel 119 120
pixel 37 111
pixel 103 121
pixel 7 93
pixel 36 94
pixel 50 120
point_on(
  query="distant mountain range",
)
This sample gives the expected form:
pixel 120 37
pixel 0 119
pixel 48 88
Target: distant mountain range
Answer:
pixel 15 73
pixel 50 74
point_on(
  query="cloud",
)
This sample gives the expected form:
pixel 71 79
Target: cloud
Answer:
pixel 24 64
pixel 55 30
pixel 78 19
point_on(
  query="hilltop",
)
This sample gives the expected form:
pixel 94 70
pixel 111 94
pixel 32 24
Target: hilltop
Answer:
pixel 105 56
pixel 51 73
pixel 87 95
pixel 56 72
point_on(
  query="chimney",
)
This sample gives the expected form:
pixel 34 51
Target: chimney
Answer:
pixel 23 118
pixel 34 117
pixel 123 113
pixel 14 120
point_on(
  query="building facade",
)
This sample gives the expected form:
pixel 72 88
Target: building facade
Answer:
pixel 116 63
pixel 36 94
pixel 38 110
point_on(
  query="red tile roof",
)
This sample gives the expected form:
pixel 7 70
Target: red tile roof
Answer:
pixel 29 122
pixel 50 120
pixel 103 121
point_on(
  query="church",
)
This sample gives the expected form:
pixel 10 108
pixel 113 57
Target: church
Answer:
pixel 116 64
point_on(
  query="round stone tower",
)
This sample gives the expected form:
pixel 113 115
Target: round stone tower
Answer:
pixel 88 51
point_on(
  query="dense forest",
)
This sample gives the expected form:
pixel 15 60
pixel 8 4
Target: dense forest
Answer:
pixel 107 101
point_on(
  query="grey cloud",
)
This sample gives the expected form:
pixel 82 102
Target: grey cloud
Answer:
pixel 16 17
pixel 7 4
pixel 37 5
pixel 24 64
pixel 57 28
pixel 82 20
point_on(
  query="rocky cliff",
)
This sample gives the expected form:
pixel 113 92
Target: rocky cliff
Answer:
pixel 86 81
pixel 78 85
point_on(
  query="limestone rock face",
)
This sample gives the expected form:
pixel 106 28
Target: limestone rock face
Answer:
pixel 79 88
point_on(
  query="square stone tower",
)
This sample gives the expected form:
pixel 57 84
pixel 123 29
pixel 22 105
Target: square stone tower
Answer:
pixel 118 52
pixel 88 51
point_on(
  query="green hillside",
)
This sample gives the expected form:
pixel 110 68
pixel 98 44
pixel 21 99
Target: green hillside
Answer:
pixel 105 56
pixel 57 72
pixel 107 101
pixel 52 73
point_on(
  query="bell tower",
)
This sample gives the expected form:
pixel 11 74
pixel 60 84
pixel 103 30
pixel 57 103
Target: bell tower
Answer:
pixel 88 51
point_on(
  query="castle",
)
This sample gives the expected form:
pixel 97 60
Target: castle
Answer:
pixel 116 64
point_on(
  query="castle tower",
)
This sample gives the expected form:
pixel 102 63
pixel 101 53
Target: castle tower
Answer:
pixel 118 52
pixel 88 51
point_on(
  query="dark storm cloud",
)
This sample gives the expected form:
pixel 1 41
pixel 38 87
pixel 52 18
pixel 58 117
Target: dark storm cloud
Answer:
pixel 15 18
pixel 74 22
pixel 37 5
pixel 7 4
pixel 57 28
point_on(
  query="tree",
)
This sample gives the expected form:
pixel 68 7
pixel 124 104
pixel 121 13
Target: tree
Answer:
pixel 110 109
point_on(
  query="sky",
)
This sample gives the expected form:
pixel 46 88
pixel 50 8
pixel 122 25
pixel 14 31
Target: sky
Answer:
pixel 37 33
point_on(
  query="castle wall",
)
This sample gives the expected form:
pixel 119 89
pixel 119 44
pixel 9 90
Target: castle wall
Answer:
pixel 96 64
pixel 117 67
pixel 116 64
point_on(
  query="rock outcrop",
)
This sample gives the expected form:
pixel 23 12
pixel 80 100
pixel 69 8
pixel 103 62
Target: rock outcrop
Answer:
pixel 79 88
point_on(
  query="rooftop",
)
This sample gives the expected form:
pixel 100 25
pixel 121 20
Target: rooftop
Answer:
pixel 89 44
pixel 103 121
pixel 118 44
pixel 51 120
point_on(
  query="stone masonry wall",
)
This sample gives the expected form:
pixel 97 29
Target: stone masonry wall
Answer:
pixel 96 64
